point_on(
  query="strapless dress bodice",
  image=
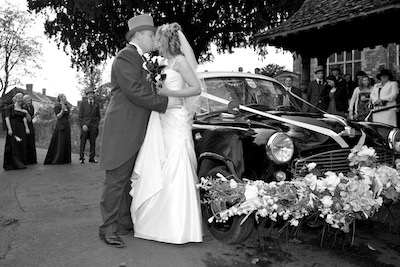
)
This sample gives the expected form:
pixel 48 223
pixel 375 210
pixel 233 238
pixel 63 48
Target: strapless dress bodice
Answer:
pixel 174 80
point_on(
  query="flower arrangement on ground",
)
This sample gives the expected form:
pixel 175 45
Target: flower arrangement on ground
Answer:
pixel 338 198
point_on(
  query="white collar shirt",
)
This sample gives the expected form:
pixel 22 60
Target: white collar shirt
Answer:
pixel 140 51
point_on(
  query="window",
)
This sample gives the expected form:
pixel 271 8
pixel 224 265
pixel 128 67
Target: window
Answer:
pixel 246 91
pixel 348 61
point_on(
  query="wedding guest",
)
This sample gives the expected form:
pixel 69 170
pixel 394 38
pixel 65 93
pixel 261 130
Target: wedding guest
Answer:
pixel 383 95
pixel 360 100
pixel 350 84
pixel 17 131
pixel 337 73
pixel 59 151
pixel 359 76
pixel 89 118
pixel 335 97
pixel 257 71
pixel 294 90
pixel 30 146
pixel 314 90
pixel 240 69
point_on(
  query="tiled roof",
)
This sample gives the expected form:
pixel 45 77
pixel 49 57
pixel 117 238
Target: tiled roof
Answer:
pixel 316 13
pixel 36 97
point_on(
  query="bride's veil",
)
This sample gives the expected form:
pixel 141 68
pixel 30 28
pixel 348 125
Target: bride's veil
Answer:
pixel 194 104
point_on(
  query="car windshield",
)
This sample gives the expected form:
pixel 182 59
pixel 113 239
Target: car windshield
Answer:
pixel 267 95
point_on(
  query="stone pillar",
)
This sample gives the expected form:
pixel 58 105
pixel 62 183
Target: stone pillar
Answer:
pixel 305 71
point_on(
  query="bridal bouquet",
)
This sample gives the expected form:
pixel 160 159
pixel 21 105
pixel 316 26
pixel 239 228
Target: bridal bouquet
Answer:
pixel 154 65
pixel 337 198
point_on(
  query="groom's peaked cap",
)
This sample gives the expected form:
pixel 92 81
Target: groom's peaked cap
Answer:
pixel 139 23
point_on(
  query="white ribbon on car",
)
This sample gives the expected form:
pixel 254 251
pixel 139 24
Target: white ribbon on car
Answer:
pixel 339 139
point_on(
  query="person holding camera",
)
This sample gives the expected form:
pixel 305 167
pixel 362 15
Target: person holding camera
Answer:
pixel 59 151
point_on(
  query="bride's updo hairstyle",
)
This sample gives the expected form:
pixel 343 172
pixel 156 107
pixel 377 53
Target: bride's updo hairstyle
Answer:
pixel 167 39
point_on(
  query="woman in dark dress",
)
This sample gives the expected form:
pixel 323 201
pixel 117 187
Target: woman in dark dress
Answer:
pixel 60 146
pixel 30 146
pixel 17 131
pixel 335 97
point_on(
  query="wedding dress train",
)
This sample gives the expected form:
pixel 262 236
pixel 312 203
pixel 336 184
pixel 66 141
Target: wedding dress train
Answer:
pixel 165 202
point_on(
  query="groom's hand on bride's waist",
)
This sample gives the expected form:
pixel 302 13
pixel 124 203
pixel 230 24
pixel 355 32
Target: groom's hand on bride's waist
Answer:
pixel 175 102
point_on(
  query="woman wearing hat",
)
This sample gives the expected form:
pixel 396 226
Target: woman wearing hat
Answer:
pixel 383 95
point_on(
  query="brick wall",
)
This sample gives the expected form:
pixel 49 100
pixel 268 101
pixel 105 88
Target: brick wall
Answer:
pixel 372 60
pixel 375 59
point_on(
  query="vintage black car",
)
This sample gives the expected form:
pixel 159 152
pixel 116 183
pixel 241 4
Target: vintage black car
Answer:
pixel 255 129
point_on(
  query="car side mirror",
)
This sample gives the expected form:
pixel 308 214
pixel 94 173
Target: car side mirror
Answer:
pixel 233 106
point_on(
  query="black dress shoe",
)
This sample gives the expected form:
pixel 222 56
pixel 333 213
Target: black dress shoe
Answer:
pixel 112 240
pixel 82 161
pixel 122 230
pixel 93 160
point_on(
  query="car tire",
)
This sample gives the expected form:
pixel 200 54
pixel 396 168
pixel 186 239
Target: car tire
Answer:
pixel 230 232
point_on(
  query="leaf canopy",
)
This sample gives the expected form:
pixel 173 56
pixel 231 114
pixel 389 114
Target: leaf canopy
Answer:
pixel 95 29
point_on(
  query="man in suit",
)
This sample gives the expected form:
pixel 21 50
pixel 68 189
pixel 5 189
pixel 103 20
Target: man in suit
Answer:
pixel 125 126
pixel 313 93
pixel 337 72
pixel 340 81
pixel 89 118
pixel 294 90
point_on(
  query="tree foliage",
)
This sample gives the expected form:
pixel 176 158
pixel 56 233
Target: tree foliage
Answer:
pixel 272 70
pixel 95 29
pixel 19 51
pixel 90 77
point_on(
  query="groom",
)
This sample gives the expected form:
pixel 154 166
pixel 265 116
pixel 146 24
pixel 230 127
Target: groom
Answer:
pixel 125 126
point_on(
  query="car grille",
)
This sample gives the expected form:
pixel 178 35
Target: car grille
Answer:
pixel 336 160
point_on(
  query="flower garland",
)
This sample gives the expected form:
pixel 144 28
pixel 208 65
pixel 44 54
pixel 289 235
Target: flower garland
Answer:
pixel 338 199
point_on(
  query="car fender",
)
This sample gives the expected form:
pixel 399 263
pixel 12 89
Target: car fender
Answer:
pixel 223 146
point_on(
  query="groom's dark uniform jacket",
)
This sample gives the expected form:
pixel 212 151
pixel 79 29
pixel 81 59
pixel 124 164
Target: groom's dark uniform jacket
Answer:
pixel 125 125
pixel 129 110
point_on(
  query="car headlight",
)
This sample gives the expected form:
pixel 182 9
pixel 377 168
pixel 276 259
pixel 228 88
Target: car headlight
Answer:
pixel 394 139
pixel 280 148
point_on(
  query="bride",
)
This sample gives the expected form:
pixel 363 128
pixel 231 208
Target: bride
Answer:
pixel 165 204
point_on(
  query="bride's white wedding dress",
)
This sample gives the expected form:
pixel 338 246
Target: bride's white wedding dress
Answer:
pixel 165 202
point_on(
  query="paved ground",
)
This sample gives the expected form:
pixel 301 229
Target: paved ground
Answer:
pixel 49 217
